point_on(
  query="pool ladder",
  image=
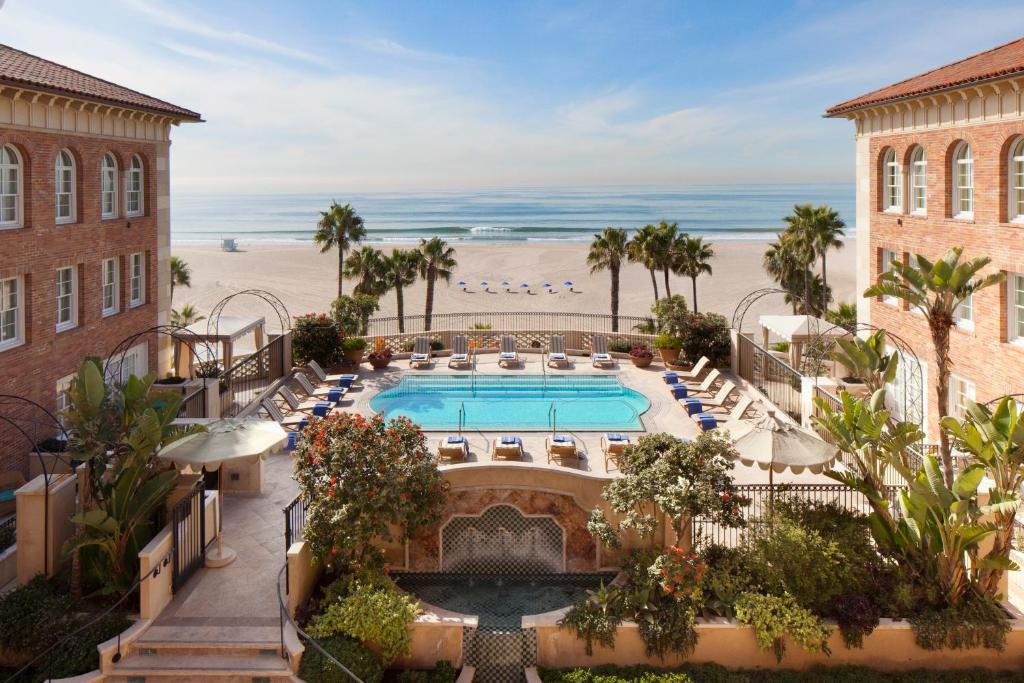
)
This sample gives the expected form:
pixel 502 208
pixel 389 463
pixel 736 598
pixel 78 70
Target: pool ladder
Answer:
pixel 462 416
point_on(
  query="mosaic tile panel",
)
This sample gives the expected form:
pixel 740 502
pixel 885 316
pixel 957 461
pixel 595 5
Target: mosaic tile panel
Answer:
pixel 502 541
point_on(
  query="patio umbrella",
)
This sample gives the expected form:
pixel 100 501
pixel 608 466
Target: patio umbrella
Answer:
pixel 568 283
pixel 225 441
pixel 505 284
pixel 525 286
pixel 774 445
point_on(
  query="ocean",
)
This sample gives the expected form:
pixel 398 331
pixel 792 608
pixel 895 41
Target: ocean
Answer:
pixel 719 212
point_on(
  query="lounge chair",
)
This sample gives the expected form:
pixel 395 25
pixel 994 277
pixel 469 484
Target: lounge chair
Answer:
pixel 599 355
pixel 726 396
pixel 706 386
pixel 507 448
pixel 556 355
pixel 330 393
pixel 508 353
pixel 696 371
pixel 723 414
pixel 294 403
pixel 294 422
pixel 341 379
pixel 460 352
pixel 612 445
pixel 453 448
pixel 561 447
pixel 420 353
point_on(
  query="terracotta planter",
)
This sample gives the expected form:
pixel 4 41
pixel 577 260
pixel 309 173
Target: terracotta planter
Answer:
pixel 380 363
pixel 641 362
pixel 669 356
pixel 354 357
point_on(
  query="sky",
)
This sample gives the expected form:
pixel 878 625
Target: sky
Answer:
pixel 329 96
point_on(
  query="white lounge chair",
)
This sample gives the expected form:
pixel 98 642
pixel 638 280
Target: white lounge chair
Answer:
pixel 507 448
pixel 556 355
pixel 561 447
pixel 308 388
pixel 294 403
pixel 420 353
pixel 508 353
pixel 724 397
pixel 705 386
pixel 599 355
pixel 292 422
pixel 612 445
pixel 453 448
pixel 695 372
pixel 723 414
pixel 330 379
pixel 460 352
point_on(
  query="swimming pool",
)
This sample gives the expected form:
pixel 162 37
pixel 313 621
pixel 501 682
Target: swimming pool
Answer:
pixel 515 402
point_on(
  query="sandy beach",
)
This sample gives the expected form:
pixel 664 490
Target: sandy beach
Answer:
pixel 306 280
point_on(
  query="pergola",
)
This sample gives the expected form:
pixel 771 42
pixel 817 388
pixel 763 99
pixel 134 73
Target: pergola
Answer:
pixel 227 330
pixel 797 330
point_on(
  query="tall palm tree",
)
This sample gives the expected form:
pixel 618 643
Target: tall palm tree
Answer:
pixel 799 234
pixel 936 290
pixel 665 244
pixel 339 227
pixel 186 315
pixel 607 252
pixel 781 264
pixel 401 269
pixel 181 274
pixel 643 249
pixel 826 230
pixel 692 258
pixel 436 263
pixel 367 265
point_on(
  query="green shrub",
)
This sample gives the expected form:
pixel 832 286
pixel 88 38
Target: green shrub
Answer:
pixel 725 579
pixel 481 326
pixel 714 673
pixel 315 336
pixel 782 346
pixel 436 345
pixel 775 616
pixel 352 313
pixel 595 617
pixel 670 315
pixel 374 615
pixel 619 345
pixel 79 655
pixel 707 334
pixel 857 616
pixel 33 616
pixel 443 672
pixel 974 623
pixel 315 668
pixel 664 341
pixel 8 537
pixel 350 344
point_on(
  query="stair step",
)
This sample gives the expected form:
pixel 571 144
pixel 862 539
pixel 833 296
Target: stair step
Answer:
pixel 149 648
pixel 185 667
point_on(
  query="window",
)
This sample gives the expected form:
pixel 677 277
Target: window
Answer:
pixel 885 265
pixel 12 322
pixel 110 286
pixel 135 361
pixel 133 188
pixel 893 182
pixel 108 187
pixel 66 299
pixel 964 313
pixel 1016 212
pixel 963 182
pixel 10 188
pixel 63 402
pixel 137 284
pixel 1015 297
pixel 64 184
pixel 918 182
pixel 961 390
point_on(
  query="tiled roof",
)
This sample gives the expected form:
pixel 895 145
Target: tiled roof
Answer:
pixel 1001 61
pixel 19 68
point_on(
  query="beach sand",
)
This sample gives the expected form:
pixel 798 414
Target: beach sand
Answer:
pixel 306 280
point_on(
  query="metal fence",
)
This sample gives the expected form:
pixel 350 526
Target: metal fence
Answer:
pixel 188 529
pixel 706 532
pixel 779 382
pixel 294 523
pixel 8 530
pixel 194 405
pixel 242 384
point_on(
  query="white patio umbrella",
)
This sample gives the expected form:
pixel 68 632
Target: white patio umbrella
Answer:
pixel 225 441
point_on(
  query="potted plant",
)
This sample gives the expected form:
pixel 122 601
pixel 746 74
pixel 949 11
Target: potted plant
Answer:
pixel 641 356
pixel 379 358
pixel 352 348
pixel 668 347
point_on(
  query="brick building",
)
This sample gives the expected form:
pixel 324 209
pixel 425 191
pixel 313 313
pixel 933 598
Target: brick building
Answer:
pixel 84 231
pixel 940 163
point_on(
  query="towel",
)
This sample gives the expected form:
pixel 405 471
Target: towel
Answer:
pixel 679 391
pixel 322 408
pixel 506 354
pixel 706 421
pixel 670 377
pixel 509 440
pixel 559 356
pixel 616 437
pixel 303 424
pixel 692 405
pixel 418 356
pixel 335 394
pixel 458 356
pixel 456 439
pixel 350 378
pixel 562 438
pixel 294 439
pixel 345 381
pixel 601 356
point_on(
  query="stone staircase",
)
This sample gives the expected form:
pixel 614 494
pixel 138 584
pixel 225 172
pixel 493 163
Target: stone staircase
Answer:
pixel 195 662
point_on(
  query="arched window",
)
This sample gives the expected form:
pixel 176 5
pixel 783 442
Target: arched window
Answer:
pixel 1016 185
pixel 893 200
pixel 963 182
pixel 10 187
pixel 133 188
pixel 108 186
pixel 64 184
pixel 918 182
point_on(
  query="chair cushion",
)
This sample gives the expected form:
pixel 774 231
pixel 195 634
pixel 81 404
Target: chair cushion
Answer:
pixel 692 405
pixel 670 377
pixel 335 394
pixel 679 391
pixel 562 438
pixel 458 356
pixel 506 354
pixel 706 421
pixel 322 408
pixel 556 356
pixel 616 437
pixel 346 381
pixel 418 356
pixel 509 440
pixel 601 356
pixel 456 439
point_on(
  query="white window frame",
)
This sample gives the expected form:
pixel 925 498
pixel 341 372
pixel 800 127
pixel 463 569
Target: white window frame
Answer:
pixel 72 321
pixel 134 361
pixel 963 170
pixel 64 186
pixel 1015 306
pixel 893 183
pixel 888 256
pixel 6 169
pixel 108 186
pixel 62 402
pixel 18 309
pixel 1015 182
pixel 136 277
pixel 964 314
pixel 134 184
pixel 109 284
pixel 918 182
pixel 960 387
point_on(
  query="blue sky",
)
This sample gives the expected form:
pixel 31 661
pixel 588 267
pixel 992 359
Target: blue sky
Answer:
pixel 325 96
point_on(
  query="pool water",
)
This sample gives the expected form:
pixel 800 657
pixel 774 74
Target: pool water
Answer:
pixel 515 402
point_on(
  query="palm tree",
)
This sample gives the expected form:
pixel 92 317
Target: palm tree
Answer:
pixel 339 227
pixel 826 230
pixel 665 245
pixel 186 316
pixel 801 238
pixel 643 249
pixel 691 259
pixel 936 290
pixel 367 265
pixel 401 269
pixel 437 262
pixel 181 274
pixel 607 252
pixel 781 264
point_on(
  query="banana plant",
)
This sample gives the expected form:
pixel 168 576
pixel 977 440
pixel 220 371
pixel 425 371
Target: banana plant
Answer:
pixel 867 360
pixel 995 439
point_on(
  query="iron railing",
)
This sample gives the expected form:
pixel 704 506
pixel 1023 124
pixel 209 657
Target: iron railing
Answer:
pixel 242 384
pixel 779 382
pixel 294 523
pixel 706 531
pixel 194 405
pixel 188 533
pixel 8 531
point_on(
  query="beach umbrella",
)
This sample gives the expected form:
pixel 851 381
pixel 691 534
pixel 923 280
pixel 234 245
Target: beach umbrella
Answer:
pixel 462 283
pixel 483 283
pixel 224 441
pixel 525 285
pixel 547 286
pixel 568 283
pixel 505 284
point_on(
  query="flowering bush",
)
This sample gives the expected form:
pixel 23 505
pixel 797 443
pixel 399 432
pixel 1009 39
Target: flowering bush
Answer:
pixel 365 479
pixel 377 355
pixel 315 336
pixel 641 352
pixel 679 572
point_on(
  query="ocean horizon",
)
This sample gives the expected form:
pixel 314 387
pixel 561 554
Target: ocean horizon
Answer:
pixel 747 212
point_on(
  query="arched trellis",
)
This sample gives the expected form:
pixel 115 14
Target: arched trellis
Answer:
pixel 175 332
pixel 7 401
pixel 284 319
pixel 1019 398
pixel 739 313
